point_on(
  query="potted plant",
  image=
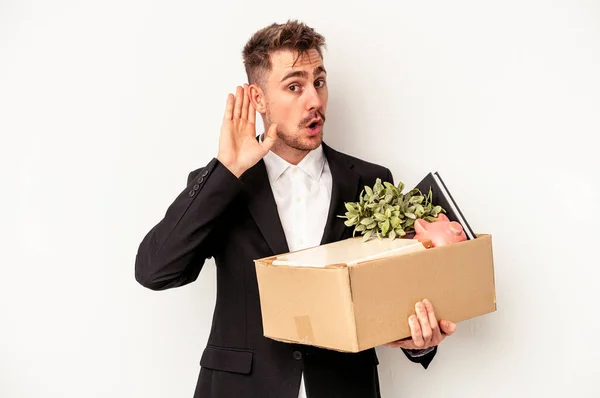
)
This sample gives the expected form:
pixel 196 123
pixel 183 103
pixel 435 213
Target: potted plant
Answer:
pixel 386 212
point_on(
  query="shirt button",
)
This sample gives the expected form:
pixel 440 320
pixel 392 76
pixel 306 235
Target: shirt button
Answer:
pixel 297 355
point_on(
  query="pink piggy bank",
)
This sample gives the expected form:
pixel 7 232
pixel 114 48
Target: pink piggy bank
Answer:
pixel 441 232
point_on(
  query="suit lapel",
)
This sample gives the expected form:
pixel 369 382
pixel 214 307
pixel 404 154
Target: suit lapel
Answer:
pixel 345 189
pixel 263 208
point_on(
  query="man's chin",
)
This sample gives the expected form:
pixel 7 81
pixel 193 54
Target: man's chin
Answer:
pixel 305 143
pixel 312 142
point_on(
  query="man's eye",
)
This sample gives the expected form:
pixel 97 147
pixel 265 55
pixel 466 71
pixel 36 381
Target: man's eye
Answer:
pixel 294 88
pixel 320 83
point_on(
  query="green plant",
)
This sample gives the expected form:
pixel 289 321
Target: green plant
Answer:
pixel 384 211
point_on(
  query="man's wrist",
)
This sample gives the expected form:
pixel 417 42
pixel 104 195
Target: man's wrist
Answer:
pixel 420 352
pixel 233 168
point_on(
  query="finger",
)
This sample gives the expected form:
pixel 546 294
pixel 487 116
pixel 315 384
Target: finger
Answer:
pixel 270 138
pixel 237 110
pixel 424 322
pixel 401 345
pixel 245 103
pixel 397 343
pixel 229 107
pixel 251 112
pixel 448 327
pixel 407 344
pixel 392 345
pixel 415 331
pixel 433 323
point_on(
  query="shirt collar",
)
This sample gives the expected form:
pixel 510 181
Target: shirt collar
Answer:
pixel 312 164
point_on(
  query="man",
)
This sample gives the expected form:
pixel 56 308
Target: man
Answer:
pixel 266 195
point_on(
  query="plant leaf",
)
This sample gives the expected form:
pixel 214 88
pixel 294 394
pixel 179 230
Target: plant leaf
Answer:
pixel 366 221
pixel 380 217
pixel 385 227
pixel 420 211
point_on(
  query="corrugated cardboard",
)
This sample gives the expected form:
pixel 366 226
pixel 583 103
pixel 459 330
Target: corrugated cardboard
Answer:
pixel 365 300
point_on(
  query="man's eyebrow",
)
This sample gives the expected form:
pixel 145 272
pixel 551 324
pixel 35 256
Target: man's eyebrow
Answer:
pixel 319 69
pixel 299 73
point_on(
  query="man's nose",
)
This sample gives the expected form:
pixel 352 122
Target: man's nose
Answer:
pixel 313 100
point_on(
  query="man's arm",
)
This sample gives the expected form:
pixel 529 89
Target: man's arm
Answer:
pixel 173 252
pixel 424 356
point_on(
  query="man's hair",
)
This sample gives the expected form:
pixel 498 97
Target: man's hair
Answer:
pixel 292 35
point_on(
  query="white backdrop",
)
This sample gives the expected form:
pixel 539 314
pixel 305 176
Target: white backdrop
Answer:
pixel 106 106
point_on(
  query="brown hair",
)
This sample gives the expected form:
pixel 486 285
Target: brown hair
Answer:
pixel 292 35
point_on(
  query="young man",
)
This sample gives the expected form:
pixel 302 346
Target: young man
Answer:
pixel 266 195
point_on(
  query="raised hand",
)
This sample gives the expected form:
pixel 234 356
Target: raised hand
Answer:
pixel 238 147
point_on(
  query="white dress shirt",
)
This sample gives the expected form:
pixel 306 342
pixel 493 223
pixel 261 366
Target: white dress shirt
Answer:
pixel 302 194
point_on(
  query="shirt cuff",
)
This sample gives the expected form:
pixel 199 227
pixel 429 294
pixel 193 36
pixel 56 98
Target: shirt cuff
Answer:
pixel 419 353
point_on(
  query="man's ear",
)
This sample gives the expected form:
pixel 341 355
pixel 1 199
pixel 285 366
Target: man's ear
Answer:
pixel 257 98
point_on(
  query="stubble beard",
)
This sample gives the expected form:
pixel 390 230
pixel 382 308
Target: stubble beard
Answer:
pixel 295 141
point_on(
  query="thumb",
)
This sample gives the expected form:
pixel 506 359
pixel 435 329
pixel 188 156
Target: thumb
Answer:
pixel 270 138
pixel 447 327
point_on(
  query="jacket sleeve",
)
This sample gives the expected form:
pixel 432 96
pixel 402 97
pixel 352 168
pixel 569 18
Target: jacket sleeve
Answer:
pixel 173 252
pixel 424 357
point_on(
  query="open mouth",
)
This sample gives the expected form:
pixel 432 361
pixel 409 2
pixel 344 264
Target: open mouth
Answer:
pixel 314 128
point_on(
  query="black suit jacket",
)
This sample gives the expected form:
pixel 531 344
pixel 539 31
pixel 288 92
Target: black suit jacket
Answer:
pixel 235 221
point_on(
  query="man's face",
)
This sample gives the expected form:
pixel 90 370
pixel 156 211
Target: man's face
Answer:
pixel 296 98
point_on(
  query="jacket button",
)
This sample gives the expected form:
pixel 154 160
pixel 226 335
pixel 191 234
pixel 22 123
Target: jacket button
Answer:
pixel 192 193
pixel 297 355
pixel 205 173
pixel 200 180
pixel 196 187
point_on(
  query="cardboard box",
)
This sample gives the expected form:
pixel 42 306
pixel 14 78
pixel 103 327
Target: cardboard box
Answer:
pixel 365 302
